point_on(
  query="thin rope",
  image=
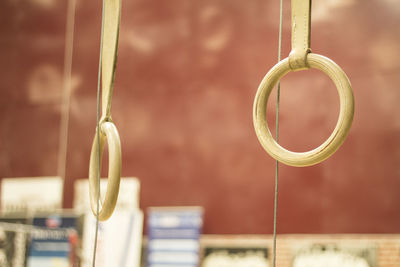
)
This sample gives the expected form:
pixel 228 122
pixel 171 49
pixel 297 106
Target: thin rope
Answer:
pixel 63 137
pixel 277 134
pixel 98 138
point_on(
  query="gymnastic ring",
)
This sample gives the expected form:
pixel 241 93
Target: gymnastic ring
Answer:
pixel 109 132
pixel 326 149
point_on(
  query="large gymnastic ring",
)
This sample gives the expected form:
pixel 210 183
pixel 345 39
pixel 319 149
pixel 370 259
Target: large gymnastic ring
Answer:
pixel 109 132
pixel 338 135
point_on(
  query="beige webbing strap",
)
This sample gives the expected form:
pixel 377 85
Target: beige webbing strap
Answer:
pixel 301 34
pixel 112 14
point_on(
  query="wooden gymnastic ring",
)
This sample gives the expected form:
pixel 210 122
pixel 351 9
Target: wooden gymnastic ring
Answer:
pixel 326 149
pixel 109 132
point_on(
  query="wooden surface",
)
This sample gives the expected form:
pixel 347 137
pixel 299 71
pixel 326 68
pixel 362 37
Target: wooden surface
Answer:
pixel 342 128
pixel 185 84
pixel 109 198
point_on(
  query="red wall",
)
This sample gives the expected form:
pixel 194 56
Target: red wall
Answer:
pixel 187 75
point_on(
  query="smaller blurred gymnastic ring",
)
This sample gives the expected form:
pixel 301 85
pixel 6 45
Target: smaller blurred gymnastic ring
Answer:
pixel 326 149
pixel 109 132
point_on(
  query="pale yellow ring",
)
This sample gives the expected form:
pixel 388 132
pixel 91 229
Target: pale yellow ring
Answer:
pixel 109 132
pixel 326 149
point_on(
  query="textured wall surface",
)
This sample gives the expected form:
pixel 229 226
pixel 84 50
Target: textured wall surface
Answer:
pixel 186 78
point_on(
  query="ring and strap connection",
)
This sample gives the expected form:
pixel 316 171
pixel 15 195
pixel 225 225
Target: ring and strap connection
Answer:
pixel 301 34
pixel 106 129
pixel 301 58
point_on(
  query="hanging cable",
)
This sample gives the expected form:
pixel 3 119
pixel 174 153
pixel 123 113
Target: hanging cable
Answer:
pixel 277 134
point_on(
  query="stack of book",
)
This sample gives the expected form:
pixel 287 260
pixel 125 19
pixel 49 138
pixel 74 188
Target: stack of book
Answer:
pixel 36 232
pixel 46 240
pixel 173 236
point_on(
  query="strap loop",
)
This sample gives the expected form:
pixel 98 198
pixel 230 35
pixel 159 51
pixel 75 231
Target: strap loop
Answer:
pixel 301 37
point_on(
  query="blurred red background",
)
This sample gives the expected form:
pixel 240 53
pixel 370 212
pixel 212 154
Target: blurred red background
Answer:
pixel 186 78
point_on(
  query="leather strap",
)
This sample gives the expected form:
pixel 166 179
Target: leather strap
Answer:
pixel 112 13
pixel 301 34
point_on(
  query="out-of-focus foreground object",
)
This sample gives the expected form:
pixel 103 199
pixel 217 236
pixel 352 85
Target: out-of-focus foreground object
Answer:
pixel 174 236
pixel 105 127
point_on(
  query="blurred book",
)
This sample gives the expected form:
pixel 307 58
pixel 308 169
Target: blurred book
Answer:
pixel 173 236
pixel 119 240
pixel 128 197
pixel 31 194
pixel 13 241
pixel 53 239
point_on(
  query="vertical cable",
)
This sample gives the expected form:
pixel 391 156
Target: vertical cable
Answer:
pixel 98 138
pixel 65 104
pixel 277 134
